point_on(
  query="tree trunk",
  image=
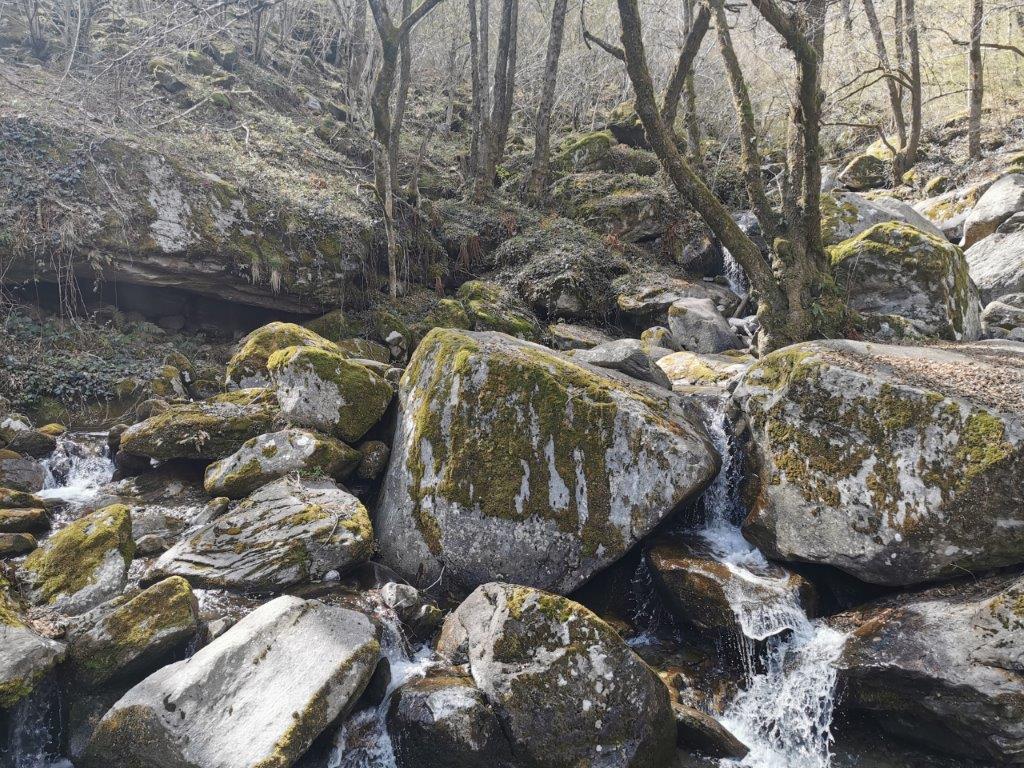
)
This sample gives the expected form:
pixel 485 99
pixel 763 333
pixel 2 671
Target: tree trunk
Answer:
pixel 976 81
pixel 907 157
pixel 693 144
pixel 504 84
pixel 682 75
pixel 895 103
pixel 538 179
pixel 401 99
pixel 357 61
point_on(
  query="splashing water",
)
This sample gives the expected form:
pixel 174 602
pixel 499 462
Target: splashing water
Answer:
pixel 32 736
pixel 784 713
pixel 734 275
pixel 78 467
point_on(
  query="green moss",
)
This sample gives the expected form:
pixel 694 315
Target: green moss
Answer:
pixel 250 361
pixel 13 691
pixel 491 309
pixel 68 561
pixel 981 444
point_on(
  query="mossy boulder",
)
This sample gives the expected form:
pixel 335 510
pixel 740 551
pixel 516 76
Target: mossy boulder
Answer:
pixel 364 349
pixel 567 688
pixel 83 564
pixel 627 206
pixel 275 455
pixel 899 465
pixel 323 389
pixel 625 125
pixel 689 369
pixel 23 520
pixel 335 326
pixel 32 442
pixel 132 634
pixel 25 655
pixel 866 172
pixel 206 429
pixel 943 667
pixel 445 721
pixel 15 499
pixel 511 460
pixel 258 695
pixel 847 214
pixel 248 366
pixel 896 269
pixel 949 210
pixel 492 308
pixel 287 532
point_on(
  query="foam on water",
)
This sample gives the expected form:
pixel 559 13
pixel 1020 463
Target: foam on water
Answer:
pixel 78 467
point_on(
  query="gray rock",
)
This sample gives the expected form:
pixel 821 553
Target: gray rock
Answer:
pixel 847 214
pixel 14 544
pixel 257 695
pixel 25 656
pixel 445 721
pixel 944 668
pixel 689 369
pixel 996 264
pixel 698 326
pixel 700 732
pixel 1006 312
pixel 512 461
pixel 629 356
pixel 568 690
pixel 568 336
pixel 645 302
pixel 274 455
pixel 21 473
pixel 287 532
pixel 1000 202
pixel 949 210
pixel 899 465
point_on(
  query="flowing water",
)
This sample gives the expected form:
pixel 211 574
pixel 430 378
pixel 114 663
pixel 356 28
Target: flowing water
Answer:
pixel 78 468
pixel 784 712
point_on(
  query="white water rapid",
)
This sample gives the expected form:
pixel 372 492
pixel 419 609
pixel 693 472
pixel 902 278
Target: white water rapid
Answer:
pixel 784 712
pixel 78 467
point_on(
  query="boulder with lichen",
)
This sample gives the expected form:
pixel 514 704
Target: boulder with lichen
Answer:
pixel 248 366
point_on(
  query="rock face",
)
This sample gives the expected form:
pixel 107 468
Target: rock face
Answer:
pixel 698 326
pixel 322 389
pixel 632 357
pixel 208 429
pixel 1005 313
pixel 847 214
pixel 997 264
pixel 287 532
pixel 568 690
pixel 898 465
pixel 248 366
pixel 275 455
pixel 84 563
pixel 213 709
pixel 25 656
pixel 444 721
pixel 944 668
pixel 132 635
pixel 1000 202
pixel 20 473
pixel 895 269
pixel 511 461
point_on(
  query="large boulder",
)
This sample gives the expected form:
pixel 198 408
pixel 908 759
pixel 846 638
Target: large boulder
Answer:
pixel 491 307
pixel 898 465
pixel 644 302
pixel 698 326
pixel 632 357
pixel 511 461
pixel 1000 202
pixel 208 429
pixel 325 390
pixel 445 721
pixel 83 564
pixel 896 269
pixel 568 690
pixel 257 695
pixel 944 668
pixel 25 656
pixel 847 214
pixel 1004 314
pixel 996 264
pixel 20 473
pixel 275 455
pixel 689 369
pixel 248 366
pixel 132 634
pixel 949 210
pixel 626 206
pixel 866 171
pixel 287 532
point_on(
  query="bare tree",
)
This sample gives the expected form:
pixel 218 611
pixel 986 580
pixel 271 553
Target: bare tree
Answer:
pixel 538 179
pixel 976 86
pixel 892 82
pixel 906 158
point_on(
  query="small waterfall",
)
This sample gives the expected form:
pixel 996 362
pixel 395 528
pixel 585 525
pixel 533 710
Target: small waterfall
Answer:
pixel 784 713
pixel 363 740
pixel 32 737
pixel 734 275
pixel 77 468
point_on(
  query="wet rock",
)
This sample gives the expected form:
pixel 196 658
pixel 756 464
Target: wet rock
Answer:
pixel 698 326
pixel 132 634
pixel 287 532
pixel 14 544
pixel 512 461
pixel 248 366
pixel 898 465
pixel 944 667
pixel 275 455
pixel 568 690
pixel 996 264
pixel 635 358
pixel 20 473
pixel 83 564
pixel 324 390
pixel 999 202
pixel 895 269
pixel 207 429
pixel 213 709
pixel 25 656
pixel 703 591
pixel 700 732
pixel 445 721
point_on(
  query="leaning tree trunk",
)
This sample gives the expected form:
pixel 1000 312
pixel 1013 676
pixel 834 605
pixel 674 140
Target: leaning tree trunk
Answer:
pixel 538 179
pixel 976 81
pixel 895 103
pixel 907 157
